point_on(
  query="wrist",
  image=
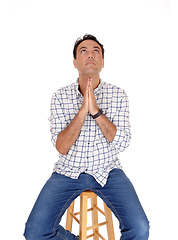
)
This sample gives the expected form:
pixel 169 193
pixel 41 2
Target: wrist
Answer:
pixel 95 111
pixel 82 112
pixel 97 114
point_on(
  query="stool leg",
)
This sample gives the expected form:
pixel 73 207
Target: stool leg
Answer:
pixel 109 224
pixel 69 218
pixel 83 217
pixel 94 217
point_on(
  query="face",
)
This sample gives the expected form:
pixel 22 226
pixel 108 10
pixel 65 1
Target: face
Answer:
pixel 89 60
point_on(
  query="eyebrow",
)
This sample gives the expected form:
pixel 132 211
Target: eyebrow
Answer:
pixel 86 48
pixel 82 47
pixel 97 47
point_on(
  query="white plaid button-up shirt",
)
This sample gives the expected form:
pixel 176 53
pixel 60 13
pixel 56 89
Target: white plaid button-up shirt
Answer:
pixel 92 153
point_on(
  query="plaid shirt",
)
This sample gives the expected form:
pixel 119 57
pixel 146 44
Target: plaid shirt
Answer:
pixel 92 153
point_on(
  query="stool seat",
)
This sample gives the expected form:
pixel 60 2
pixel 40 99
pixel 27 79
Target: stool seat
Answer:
pixel 82 220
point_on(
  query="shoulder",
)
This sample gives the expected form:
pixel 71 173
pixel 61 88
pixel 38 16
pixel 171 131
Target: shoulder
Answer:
pixel 113 89
pixel 65 92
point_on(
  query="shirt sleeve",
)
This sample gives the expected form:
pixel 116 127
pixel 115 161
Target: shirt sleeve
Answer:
pixel 57 119
pixel 121 121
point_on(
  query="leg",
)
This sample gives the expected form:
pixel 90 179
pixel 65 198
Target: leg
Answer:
pixel 55 197
pixel 94 216
pixel 109 224
pixel 121 198
pixel 83 217
pixel 69 218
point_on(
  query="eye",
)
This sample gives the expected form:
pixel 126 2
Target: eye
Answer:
pixel 83 51
pixel 96 50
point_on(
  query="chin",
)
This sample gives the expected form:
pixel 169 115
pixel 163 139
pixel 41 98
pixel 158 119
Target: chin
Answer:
pixel 91 73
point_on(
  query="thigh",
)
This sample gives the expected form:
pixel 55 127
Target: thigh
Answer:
pixel 55 197
pixel 120 196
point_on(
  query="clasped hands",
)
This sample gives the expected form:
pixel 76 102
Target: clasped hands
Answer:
pixel 89 101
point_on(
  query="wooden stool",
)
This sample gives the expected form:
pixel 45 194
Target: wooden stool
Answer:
pixel 83 218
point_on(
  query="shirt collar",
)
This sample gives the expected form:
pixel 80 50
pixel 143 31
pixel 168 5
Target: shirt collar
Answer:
pixel 96 90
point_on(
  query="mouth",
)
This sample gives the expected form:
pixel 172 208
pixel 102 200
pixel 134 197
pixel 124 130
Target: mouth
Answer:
pixel 90 63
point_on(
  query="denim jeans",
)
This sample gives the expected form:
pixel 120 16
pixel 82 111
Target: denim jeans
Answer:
pixel 60 191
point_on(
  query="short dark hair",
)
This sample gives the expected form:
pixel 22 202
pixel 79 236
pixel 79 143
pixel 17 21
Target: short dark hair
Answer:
pixel 86 37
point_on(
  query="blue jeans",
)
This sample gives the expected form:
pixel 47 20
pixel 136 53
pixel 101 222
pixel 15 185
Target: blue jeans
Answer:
pixel 60 191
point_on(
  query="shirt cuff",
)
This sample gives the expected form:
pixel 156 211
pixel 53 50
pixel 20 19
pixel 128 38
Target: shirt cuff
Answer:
pixel 54 139
pixel 118 137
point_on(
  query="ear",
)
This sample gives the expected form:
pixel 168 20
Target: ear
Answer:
pixel 74 62
pixel 103 63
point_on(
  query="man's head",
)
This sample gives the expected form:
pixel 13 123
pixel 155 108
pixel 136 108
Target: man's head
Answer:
pixel 88 56
pixel 86 37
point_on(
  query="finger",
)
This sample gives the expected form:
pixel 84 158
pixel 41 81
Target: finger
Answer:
pixel 90 90
pixel 87 90
pixel 89 81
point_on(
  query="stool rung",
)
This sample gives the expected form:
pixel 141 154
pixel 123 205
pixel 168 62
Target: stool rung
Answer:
pixel 97 225
pixel 100 236
pixel 76 219
pixel 88 210
pixel 92 235
pixel 77 213
pixel 99 210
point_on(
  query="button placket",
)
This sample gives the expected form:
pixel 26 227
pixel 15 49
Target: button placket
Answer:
pixel 89 143
pixel 86 142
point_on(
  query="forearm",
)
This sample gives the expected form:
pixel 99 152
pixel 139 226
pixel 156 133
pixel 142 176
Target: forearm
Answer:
pixel 70 134
pixel 107 127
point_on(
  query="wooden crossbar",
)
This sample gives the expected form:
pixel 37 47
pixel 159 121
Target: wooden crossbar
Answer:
pixel 99 210
pixel 101 236
pixel 88 210
pixel 92 235
pixel 76 219
pixel 97 225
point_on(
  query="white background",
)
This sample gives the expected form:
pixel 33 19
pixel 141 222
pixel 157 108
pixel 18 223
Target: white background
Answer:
pixel 37 38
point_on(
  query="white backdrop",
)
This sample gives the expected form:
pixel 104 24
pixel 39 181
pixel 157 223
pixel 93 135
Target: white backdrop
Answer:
pixel 36 59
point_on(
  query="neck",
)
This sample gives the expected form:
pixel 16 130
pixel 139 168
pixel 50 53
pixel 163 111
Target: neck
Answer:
pixel 83 81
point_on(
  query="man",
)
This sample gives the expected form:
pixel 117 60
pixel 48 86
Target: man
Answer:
pixel 89 127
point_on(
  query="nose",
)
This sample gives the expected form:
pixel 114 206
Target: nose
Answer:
pixel 90 56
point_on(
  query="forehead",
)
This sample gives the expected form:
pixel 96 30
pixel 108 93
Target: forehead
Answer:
pixel 88 44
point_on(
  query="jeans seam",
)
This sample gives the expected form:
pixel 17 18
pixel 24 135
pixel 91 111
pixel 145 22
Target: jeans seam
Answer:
pixel 59 235
pixel 115 212
pixel 64 207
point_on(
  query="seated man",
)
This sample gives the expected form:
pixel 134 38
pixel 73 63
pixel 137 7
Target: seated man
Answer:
pixel 89 127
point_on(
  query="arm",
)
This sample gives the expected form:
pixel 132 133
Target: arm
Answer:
pixel 116 132
pixel 69 135
pixel 107 127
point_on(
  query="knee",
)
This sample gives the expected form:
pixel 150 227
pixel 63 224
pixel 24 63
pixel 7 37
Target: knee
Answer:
pixel 141 229
pixel 30 233
pixel 35 231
